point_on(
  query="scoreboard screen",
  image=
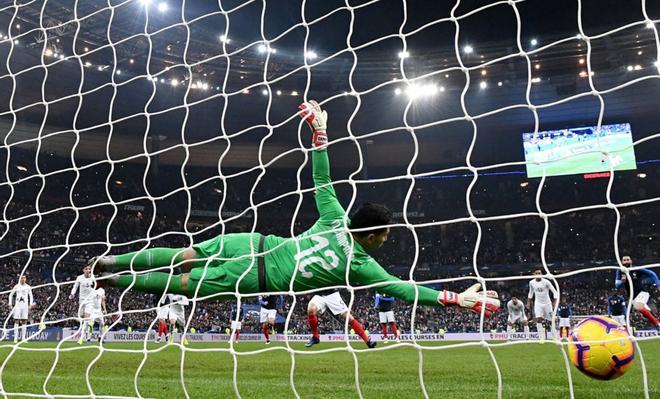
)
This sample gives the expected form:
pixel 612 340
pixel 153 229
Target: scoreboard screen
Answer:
pixel 579 150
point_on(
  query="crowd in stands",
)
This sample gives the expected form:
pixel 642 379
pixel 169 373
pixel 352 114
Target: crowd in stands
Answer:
pixel 51 228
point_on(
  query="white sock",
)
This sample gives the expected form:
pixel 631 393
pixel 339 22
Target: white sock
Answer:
pixel 24 331
pixel 15 331
pixel 509 329
pixel 83 333
pixel 540 330
pixel 526 328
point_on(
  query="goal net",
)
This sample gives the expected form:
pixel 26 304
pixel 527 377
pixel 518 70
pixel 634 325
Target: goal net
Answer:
pixel 505 137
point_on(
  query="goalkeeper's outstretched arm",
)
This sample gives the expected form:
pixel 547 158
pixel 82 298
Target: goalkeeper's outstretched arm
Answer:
pixel 472 299
pixel 326 199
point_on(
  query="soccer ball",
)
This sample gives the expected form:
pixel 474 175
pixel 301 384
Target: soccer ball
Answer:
pixel 601 348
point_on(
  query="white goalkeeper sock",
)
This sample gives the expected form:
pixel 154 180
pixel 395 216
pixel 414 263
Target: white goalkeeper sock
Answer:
pixel 526 329
pixel 24 332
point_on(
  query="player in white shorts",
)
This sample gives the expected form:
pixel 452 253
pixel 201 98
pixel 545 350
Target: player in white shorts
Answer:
pixel 564 312
pixel 97 310
pixel 384 304
pixel 177 315
pixel 329 299
pixel 516 310
pixel 84 286
pixel 267 314
pixel 163 314
pixel 237 316
pixel 539 289
pixel 21 301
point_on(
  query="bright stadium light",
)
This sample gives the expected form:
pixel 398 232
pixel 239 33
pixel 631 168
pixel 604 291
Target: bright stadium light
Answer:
pixel 311 55
pixel 279 92
pixel 524 184
pixel 536 80
pixel 86 49
pixel 629 68
pixel 174 82
pixel 468 49
pixel 224 39
pixel 246 91
pixel 637 67
pixel 404 54
pixel 499 84
pixel 483 84
pixel 48 52
pixel 162 6
pixel 99 68
pixel 294 93
pixel 416 91
pixel 262 48
pixel 264 92
pixel 533 42
pixel 21 168
pixel 442 89
pixel 397 91
pixel 118 72
pixel 61 56
pixel 205 86
pixel 641 175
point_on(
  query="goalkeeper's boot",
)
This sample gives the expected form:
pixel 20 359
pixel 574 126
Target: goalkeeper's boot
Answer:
pixel 312 341
pixel 371 344
pixel 267 342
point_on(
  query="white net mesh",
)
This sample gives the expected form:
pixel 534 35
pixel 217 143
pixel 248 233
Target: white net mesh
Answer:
pixel 137 124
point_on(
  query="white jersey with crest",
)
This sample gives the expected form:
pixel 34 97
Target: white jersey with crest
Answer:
pixel 21 294
pixel 177 303
pixel 515 310
pixel 540 291
pixel 96 300
pixel 85 287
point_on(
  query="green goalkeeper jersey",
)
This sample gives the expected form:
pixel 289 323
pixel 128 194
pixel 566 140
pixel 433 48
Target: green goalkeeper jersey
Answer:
pixel 323 253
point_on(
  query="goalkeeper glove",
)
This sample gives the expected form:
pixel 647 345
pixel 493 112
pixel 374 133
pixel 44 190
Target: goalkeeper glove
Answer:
pixel 317 119
pixel 472 299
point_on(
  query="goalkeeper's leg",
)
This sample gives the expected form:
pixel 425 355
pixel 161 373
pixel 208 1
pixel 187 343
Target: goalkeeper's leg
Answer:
pixel 147 259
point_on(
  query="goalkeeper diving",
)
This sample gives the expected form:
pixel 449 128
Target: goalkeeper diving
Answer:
pixel 315 259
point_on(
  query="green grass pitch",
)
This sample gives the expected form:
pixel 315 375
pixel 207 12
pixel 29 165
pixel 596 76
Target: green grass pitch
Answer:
pixel 529 370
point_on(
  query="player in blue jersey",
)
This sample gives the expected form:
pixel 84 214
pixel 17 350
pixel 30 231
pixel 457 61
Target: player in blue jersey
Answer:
pixel 644 283
pixel 616 307
pixel 385 315
pixel 237 316
pixel 564 312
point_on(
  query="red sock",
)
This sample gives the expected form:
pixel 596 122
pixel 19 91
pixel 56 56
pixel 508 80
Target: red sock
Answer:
pixel 647 313
pixel 313 322
pixel 383 327
pixel 160 328
pixel 166 329
pixel 238 334
pixel 266 332
pixel 357 327
pixel 394 330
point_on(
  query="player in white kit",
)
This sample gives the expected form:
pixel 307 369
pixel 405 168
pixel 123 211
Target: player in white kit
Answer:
pixel 97 310
pixel 163 314
pixel 84 286
pixel 539 289
pixel 177 315
pixel 516 310
pixel 20 302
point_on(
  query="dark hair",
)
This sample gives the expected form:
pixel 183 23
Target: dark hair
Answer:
pixel 370 215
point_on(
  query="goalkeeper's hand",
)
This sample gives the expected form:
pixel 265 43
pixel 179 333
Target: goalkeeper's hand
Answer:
pixel 317 119
pixel 473 300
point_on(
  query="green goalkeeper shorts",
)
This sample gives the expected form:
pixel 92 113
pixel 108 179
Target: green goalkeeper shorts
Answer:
pixel 226 258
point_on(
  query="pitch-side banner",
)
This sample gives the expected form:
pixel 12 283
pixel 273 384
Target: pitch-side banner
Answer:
pixel 124 336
